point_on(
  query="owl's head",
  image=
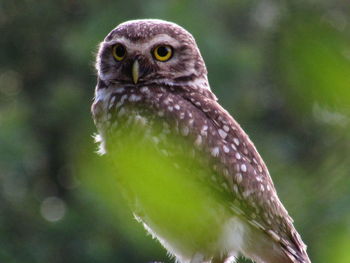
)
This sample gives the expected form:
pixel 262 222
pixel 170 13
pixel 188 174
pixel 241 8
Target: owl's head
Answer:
pixel 142 52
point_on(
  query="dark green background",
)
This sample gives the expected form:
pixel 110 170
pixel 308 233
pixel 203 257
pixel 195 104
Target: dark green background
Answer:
pixel 282 68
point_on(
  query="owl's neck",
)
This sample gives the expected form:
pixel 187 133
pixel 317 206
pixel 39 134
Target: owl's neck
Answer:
pixel 199 84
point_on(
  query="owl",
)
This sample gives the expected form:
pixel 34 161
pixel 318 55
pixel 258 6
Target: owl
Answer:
pixel 189 172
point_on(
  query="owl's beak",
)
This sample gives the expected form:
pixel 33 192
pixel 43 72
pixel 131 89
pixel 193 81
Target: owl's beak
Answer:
pixel 135 71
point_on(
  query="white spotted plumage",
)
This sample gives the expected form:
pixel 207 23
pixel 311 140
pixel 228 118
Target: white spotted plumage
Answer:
pixel 177 94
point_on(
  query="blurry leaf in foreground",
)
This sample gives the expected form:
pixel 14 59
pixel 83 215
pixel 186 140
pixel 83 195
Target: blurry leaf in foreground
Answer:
pixel 173 193
pixel 335 246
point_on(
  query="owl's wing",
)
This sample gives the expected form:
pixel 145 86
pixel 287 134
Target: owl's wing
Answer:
pixel 237 160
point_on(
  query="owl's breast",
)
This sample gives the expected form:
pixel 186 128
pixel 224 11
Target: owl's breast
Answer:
pixel 163 110
pixel 163 119
pixel 155 138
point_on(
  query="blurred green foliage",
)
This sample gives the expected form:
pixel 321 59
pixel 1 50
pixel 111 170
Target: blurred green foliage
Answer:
pixel 178 199
pixel 282 68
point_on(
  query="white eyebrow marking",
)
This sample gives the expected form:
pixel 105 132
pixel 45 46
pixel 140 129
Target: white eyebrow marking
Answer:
pixel 144 47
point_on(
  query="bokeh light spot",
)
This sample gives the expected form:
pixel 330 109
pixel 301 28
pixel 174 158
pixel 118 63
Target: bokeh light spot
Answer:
pixel 53 209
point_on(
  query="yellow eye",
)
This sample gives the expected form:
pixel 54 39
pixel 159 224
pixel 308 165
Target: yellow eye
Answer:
pixel 119 52
pixel 163 53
